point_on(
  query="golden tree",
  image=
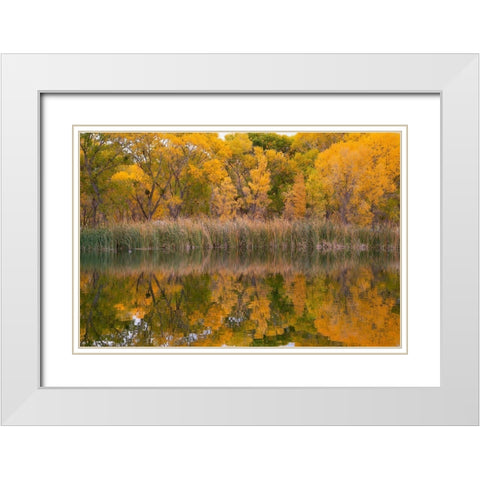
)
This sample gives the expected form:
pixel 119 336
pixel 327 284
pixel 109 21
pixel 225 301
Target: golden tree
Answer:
pixel 224 202
pixel 354 181
pixel 256 192
pixel 296 199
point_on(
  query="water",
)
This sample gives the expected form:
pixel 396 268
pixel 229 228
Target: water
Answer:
pixel 154 299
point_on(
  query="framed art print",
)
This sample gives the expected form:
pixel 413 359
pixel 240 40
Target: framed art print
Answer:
pixel 284 249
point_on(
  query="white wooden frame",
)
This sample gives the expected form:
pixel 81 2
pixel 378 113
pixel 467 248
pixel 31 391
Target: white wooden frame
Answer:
pixel 25 77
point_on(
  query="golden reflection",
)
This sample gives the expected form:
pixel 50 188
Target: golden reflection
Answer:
pixel 206 303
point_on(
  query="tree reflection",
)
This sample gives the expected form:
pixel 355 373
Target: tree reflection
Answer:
pixel 153 301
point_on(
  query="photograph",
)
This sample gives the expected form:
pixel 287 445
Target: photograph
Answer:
pixel 239 239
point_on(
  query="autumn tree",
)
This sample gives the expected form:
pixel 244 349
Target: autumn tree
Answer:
pixel 353 181
pixel 240 160
pixel 351 178
pixel 224 201
pixel 99 156
pixel 256 192
pixel 149 179
pixel 385 154
pixel 319 141
pixel 136 195
pixel 185 151
pixel 296 199
pixel 282 173
pixel 167 176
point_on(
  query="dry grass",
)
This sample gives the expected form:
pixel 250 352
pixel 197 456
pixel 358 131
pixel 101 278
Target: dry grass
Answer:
pixel 240 235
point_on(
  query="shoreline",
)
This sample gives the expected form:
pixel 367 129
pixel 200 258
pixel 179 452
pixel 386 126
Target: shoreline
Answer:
pixel 240 235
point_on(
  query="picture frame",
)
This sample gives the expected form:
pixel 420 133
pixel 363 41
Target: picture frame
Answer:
pixel 26 77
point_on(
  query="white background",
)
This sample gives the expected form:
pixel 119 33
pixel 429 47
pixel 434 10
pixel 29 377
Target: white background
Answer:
pixel 229 452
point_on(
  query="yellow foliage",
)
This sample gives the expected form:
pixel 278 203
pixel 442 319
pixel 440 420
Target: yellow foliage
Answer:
pixel 297 291
pixel 355 175
pixel 214 317
pixel 351 178
pixel 361 317
pixel 224 202
pixel 260 314
pixel 296 199
pixel 350 304
pixel 256 193
pixel 215 171
pixel 238 143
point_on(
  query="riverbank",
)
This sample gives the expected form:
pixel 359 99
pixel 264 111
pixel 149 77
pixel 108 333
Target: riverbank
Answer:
pixel 241 235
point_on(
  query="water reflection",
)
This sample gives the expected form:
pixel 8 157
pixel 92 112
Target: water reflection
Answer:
pixel 220 300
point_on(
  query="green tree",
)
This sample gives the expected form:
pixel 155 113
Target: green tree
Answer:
pixel 271 141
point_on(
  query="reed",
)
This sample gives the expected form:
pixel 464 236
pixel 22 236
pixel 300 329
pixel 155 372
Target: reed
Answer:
pixel 239 235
